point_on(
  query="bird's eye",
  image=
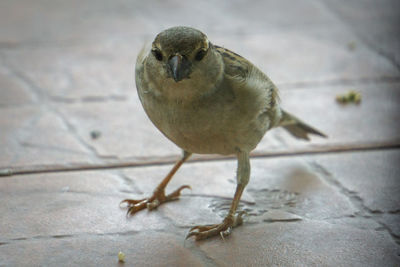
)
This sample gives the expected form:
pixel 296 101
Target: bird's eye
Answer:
pixel 157 54
pixel 199 56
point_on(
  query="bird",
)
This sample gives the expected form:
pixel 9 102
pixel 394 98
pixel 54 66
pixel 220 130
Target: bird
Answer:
pixel 207 100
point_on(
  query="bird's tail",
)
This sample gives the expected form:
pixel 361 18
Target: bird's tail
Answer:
pixel 296 127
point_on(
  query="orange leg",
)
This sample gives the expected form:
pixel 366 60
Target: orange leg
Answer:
pixel 224 228
pixel 158 196
pixel 231 220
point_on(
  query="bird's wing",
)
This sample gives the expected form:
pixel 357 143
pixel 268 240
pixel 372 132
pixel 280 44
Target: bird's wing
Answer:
pixel 247 79
pixel 243 71
pixel 235 65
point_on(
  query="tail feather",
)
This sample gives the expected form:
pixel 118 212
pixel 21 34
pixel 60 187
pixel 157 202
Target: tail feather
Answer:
pixel 297 128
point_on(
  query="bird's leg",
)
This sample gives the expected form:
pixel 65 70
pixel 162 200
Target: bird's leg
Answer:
pixel 158 196
pixel 232 219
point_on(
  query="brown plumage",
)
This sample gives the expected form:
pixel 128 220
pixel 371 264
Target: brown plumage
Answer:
pixel 208 100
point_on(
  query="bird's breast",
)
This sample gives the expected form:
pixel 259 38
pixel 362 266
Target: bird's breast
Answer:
pixel 205 127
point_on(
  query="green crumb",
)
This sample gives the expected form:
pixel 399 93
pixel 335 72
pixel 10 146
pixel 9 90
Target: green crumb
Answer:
pixel 341 99
pixel 349 97
pixel 121 257
pixel 357 98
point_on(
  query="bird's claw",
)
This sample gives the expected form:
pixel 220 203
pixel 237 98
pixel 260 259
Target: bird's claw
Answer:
pixel 223 229
pixel 152 202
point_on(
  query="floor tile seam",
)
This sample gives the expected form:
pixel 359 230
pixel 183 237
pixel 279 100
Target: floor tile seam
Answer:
pixel 374 48
pixel 363 211
pixel 316 150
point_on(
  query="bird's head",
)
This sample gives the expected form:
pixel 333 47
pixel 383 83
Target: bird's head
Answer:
pixel 180 50
pixel 182 58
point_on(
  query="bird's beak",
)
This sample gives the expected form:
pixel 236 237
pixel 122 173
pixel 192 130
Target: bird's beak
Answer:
pixel 179 66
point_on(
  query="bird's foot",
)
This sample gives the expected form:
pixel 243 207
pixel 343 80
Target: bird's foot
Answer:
pixel 223 229
pixel 152 202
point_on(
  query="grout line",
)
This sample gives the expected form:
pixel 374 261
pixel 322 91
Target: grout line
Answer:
pixel 390 57
pixel 330 149
pixel 45 102
pixel 63 236
pixel 363 210
pixel 73 131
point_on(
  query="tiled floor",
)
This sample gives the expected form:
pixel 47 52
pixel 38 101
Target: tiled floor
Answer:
pixel 66 71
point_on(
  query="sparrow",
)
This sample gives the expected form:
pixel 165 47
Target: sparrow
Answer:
pixel 207 100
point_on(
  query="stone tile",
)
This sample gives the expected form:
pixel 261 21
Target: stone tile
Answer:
pixel 97 71
pixel 8 142
pixel 213 185
pixel 82 64
pixel 211 179
pixel 126 131
pixel 144 249
pixel 190 211
pixel 295 203
pixel 132 123
pixel 303 243
pixel 372 176
pixel 100 19
pixel 293 185
pixel 12 93
pixel 73 203
pixel 67 23
pixel 94 72
pixel 359 222
pixel 392 221
pixel 291 57
pixel 94 57
pixel 373 120
pixel 375 23
pixel 35 135
pixel 288 184
pixel 77 59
